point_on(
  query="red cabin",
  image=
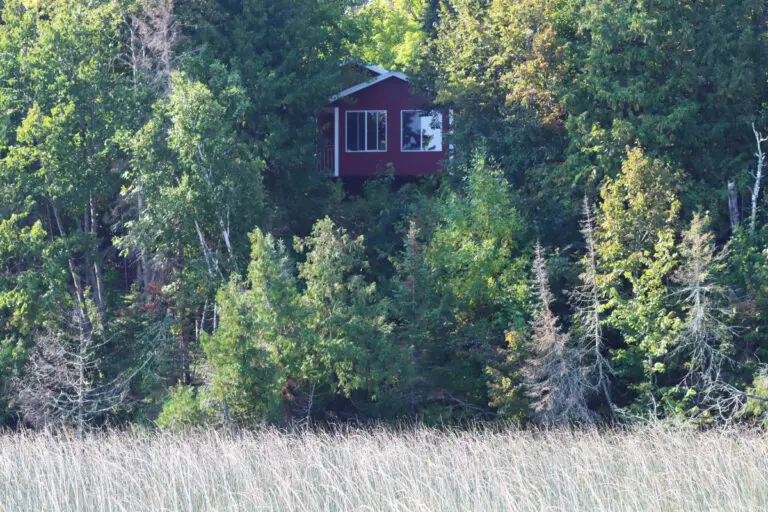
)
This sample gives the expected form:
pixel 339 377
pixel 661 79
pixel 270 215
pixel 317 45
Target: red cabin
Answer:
pixel 379 124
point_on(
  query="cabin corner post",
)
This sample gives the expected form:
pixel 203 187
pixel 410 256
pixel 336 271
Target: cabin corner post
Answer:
pixel 336 142
pixel 451 152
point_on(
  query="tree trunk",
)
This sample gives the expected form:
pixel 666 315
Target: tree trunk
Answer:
pixel 733 206
pixel 76 280
pixel 82 355
pixel 97 274
pixel 144 275
pixel 758 175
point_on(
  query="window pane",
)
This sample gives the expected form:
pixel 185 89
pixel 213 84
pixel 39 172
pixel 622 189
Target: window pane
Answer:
pixel 371 135
pixel 361 131
pixel 382 131
pixel 432 132
pixel 411 131
pixel 352 128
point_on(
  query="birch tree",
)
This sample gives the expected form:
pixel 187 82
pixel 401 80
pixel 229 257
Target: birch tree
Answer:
pixel 757 175
pixel 153 37
pixel 59 74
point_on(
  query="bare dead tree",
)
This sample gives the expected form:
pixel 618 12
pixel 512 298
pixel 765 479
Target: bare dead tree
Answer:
pixel 62 384
pixel 757 175
pixel 588 301
pixel 555 379
pixel 705 334
pixel 154 36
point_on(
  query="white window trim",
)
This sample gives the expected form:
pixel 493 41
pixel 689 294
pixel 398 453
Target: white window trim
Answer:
pixel 346 131
pixel 421 142
pixel 336 142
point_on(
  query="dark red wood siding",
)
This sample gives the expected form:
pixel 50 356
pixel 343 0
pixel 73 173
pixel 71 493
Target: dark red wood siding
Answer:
pixel 394 96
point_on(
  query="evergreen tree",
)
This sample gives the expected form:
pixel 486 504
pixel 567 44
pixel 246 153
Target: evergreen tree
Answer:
pixel 259 322
pixel 351 347
pixel 636 248
pixel 684 79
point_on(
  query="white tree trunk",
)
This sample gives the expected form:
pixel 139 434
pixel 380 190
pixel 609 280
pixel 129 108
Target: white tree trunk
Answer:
pixel 758 176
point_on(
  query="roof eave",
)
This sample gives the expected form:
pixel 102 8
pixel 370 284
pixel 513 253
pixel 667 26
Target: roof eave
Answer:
pixel 359 87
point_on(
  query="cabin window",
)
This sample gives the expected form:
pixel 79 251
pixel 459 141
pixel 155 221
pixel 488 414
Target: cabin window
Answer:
pixel 366 130
pixel 421 131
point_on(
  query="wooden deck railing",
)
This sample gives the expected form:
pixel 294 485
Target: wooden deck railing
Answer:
pixel 326 158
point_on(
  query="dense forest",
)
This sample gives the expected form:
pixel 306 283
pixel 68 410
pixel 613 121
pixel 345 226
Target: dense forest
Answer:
pixel 170 254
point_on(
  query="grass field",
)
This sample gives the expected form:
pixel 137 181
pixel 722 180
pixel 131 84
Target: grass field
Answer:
pixel 422 469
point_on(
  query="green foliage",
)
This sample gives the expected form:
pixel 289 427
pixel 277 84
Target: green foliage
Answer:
pixel 62 100
pixel 276 343
pixel 256 334
pixel 757 405
pixel 637 256
pixel 200 184
pixel 476 259
pixel 353 347
pixel 499 66
pixel 286 57
pixel 182 410
pixel 477 243
pixel 392 34
pixel 685 79
pixel 505 390
pixel 746 273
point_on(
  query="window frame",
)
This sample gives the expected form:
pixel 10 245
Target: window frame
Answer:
pixel 421 135
pixel 365 136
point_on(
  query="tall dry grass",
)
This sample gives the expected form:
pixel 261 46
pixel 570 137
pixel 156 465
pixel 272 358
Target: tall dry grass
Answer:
pixel 423 469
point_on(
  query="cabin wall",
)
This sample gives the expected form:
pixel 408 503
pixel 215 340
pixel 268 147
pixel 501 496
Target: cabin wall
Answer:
pixel 392 95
